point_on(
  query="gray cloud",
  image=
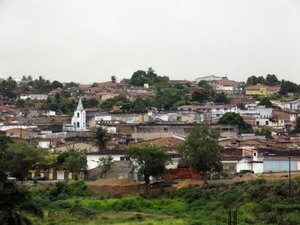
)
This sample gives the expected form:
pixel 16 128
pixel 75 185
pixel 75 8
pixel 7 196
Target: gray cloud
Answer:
pixel 90 40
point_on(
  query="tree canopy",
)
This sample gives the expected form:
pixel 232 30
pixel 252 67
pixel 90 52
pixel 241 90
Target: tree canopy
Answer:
pixel 201 150
pixel 265 101
pixel 141 77
pixel 235 119
pixel 73 161
pixel 20 158
pixel 150 160
pixel 14 202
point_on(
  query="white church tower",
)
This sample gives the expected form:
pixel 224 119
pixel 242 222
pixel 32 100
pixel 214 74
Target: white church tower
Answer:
pixel 79 117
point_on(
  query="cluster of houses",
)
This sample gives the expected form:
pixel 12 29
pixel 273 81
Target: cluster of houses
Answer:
pixel 166 129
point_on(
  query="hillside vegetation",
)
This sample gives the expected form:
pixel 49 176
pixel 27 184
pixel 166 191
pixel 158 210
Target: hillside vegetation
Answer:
pixel 257 202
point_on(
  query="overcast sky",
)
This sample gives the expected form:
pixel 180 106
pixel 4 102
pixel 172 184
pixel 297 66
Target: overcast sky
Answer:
pixel 90 40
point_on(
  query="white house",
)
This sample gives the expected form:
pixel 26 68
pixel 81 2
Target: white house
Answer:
pixel 93 157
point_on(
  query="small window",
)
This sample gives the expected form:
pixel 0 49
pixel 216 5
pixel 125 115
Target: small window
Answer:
pixel 257 122
pixel 78 115
pixel 78 124
pixel 267 122
pixel 254 154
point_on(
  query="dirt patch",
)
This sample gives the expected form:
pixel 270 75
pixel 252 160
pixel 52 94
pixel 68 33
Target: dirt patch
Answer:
pixel 114 182
pixel 245 177
pixel 116 191
pixel 116 187
pixel 189 183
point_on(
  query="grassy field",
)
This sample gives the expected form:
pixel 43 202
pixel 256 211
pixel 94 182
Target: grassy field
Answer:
pixel 257 202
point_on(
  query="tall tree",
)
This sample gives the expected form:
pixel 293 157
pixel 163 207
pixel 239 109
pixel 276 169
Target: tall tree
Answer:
pixel 4 143
pixel 105 164
pixel 14 201
pixel 150 160
pixel 271 79
pixel 101 137
pixel 288 87
pixel 201 150
pixel 20 158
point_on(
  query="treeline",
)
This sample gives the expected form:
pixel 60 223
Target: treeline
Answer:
pixel 271 80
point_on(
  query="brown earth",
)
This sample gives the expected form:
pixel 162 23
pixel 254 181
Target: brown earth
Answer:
pixel 189 183
pixel 245 177
pixel 116 187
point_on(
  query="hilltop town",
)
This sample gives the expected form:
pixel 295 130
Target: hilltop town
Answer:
pixel 258 119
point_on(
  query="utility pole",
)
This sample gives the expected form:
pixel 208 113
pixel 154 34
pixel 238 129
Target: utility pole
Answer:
pixel 290 178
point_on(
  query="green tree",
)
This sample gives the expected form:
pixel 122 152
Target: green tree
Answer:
pixel 8 88
pixel 20 158
pixel 271 79
pixel 266 102
pixel 221 98
pixel 100 137
pixel 235 119
pixel 4 143
pixel 150 160
pixel 57 84
pixel 90 103
pixel 105 163
pixel 253 80
pixel 73 161
pixel 288 87
pixel 14 202
pixel 205 85
pixel 201 150
pixel 265 132
pixel 139 105
pixel 168 97
pixel 139 78
pixel 297 125
pixel 201 95
pixel 114 79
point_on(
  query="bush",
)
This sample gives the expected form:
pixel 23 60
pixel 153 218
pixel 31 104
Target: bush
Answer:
pixel 63 190
pixel 136 217
pixel 82 212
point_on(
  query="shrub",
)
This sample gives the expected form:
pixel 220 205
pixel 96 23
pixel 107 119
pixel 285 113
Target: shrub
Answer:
pixel 82 212
pixel 136 217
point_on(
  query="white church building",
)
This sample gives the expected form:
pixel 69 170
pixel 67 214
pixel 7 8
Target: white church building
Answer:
pixel 78 122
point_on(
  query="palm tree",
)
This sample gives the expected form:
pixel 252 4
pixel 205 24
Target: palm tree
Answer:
pixel 101 137
pixel 13 201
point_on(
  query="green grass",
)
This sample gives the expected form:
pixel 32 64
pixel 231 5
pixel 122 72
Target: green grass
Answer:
pixel 257 202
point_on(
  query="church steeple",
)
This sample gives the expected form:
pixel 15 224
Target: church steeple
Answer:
pixel 79 117
pixel 80 106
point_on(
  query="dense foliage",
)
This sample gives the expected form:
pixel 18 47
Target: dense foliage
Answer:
pixel 236 119
pixel 201 150
pixel 140 77
pixel 258 202
pixel 149 160
pixel 20 158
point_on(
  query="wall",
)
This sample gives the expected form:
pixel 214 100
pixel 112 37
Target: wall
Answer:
pixel 93 160
pixel 276 165
pixel 120 169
